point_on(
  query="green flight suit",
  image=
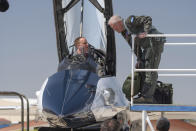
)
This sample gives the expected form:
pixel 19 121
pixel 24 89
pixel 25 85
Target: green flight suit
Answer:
pixel 148 50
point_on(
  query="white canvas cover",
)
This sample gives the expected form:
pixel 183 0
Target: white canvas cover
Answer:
pixel 109 99
pixel 93 24
pixel 71 22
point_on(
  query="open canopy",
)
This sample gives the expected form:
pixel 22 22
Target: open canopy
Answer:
pixel 87 18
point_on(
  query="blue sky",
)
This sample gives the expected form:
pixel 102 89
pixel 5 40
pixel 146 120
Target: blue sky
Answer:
pixel 28 51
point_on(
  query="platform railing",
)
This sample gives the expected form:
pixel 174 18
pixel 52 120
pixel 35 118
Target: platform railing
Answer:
pixel 177 108
pixel 160 70
pixel 6 93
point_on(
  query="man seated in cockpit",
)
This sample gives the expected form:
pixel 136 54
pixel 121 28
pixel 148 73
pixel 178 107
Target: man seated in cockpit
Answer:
pixel 81 45
pixel 85 57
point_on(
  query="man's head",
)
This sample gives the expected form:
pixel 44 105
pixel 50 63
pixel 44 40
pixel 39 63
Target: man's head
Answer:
pixel 116 23
pixel 136 125
pixel 110 125
pixel 81 45
pixel 163 124
pixel 4 5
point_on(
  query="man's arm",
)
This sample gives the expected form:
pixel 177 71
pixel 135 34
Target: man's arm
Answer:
pixel 127 37
pixel 146 21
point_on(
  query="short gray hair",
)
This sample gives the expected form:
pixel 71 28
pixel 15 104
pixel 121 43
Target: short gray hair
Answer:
pixel 114 19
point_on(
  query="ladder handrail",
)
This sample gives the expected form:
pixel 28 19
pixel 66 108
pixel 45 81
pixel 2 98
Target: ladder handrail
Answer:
pixel 170 70
pixel 144 113
pixel 171 35
pixel 11 93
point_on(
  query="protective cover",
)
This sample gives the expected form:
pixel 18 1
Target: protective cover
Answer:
pixel 93 24
pixel 68 96
pixel 75 98
pixel 109 99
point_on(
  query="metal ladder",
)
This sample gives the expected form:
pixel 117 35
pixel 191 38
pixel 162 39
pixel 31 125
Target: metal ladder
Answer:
pixel 22 97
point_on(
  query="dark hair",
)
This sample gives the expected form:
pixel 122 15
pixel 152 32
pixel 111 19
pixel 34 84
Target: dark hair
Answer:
pixel 163 124
pixel 110 125
pixel 4 5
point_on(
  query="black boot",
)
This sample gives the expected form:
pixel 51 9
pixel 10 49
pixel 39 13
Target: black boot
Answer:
pixel 144 100
pixel 146 96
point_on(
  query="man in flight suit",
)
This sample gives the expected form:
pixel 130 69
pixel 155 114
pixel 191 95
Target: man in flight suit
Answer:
pixel 148 50
pixel 84 57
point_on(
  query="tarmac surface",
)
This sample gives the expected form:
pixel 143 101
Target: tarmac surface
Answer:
pixel 14 115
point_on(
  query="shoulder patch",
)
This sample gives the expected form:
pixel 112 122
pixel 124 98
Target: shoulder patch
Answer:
pixel 132 19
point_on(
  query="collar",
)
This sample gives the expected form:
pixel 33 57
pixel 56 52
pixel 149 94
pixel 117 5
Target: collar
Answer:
pixel 126 28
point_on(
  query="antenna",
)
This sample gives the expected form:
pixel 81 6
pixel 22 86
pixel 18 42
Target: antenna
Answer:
pixel 81 18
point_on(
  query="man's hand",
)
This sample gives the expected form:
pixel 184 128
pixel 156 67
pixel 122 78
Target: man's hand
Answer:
pixel 137 65
pixel 142 35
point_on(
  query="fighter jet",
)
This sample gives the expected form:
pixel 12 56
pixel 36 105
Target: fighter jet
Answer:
pixel 77 96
